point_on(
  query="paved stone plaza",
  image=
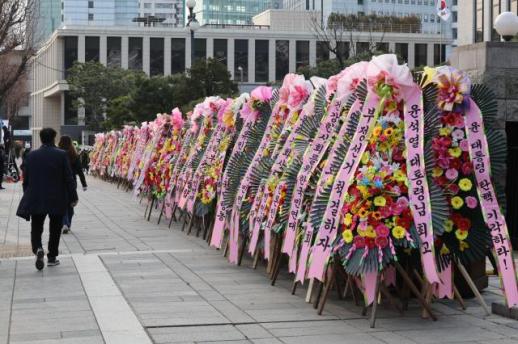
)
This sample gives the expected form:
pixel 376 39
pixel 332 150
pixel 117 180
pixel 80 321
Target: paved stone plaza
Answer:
pixel 125 280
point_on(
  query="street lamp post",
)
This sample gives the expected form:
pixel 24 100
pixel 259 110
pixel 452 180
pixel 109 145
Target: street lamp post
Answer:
pixel 192 24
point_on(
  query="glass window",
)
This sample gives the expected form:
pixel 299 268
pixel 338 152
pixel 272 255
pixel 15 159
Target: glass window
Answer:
pixel 420 54
pixel 70 52
pixel 200 49
pixel 90 16
pixel 362 47
pixel 92 49
pixel 90 4
pixel 177 55
pixel 156 56
pixel 135 53
pixel 113 51
pixel 383 47
pixel 322 52
pixel 402 51
pixel 70 112
pixel 302 54
pixel 439 54
pixel 282 59
pixel 342 49
pixel 479 20
pixel 261 60
pixel 241 60
pixel 220 50
pixel 495 11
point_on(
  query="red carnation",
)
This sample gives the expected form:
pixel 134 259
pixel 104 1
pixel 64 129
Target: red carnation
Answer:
pixel 359 242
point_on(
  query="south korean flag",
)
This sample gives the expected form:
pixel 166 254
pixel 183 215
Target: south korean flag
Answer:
pixel 442 10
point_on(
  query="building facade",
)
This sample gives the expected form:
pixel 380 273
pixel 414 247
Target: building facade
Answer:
pixel 48 18
pixel 477 22
pixel 254 55
pixel 235 12
pixel 170 10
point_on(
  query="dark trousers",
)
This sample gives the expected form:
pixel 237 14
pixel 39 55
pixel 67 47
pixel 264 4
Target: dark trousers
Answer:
pixel 56 222
pixel 67 219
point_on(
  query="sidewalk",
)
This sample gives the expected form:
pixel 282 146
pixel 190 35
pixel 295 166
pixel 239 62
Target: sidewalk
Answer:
pixel 125 280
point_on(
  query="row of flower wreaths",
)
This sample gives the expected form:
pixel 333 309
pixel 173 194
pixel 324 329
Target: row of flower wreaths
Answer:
pixel 363 168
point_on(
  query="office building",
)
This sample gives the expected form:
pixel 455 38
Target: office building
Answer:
pixel 236 12
pixel 477 19
pixel 170 10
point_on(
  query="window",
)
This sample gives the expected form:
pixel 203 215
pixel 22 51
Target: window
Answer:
pixel 70 52
pixel 90 4
pixel 420 54
pixel 342 49
pixel 92 49
pixel 362 47
pixel 147 5
pixel 439 54
pixel 90 16
pixel 454 33
pixel 113 51
pixel 220 50
pixel 241 60
pixel 402 51
pixel 383 47
pixel 135 53
pixel 200 49
pixel 282 59
pixel 70 112
pixel 162 5
pixel 177 55
pixel 301 54
pixel 261 60
pixel 322 52
pixel 156 56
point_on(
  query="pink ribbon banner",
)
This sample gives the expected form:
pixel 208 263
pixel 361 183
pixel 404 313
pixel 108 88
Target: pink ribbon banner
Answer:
pixel 479 153
pixel 418 193
pixel 221 211
pixel 326 173
pixel 329 225
pixel 243 189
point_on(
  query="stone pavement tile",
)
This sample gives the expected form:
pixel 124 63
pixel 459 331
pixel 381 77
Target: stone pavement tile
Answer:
pixel 266 341
pixel 309 328
pixel 351 338
pixel 82 340
pixel 196 334
pixel 392 338
pixel 460 334
pixel 254 331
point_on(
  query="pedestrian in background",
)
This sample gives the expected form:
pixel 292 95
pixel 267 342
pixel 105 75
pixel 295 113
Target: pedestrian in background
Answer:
pixel 65 143
pixel 2 166
pixel 49 189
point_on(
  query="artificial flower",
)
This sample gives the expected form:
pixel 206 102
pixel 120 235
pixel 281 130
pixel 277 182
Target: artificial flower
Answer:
pixel 380 201
pixel 457 202
pixel 398 232
pixel 465 184
pixel 348 236
pixel 471 202
pixel 461 235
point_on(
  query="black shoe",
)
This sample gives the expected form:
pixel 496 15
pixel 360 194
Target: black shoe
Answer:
pixel 53 261
pixel 40 263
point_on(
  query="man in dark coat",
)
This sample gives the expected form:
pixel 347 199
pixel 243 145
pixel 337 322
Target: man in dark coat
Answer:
pixel 49 187
pixel 2 165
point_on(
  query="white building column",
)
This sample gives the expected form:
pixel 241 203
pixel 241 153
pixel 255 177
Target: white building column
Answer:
pixel 271 60
pixel 210 48
pixel 293 56
pixel 392 47
pixel 188 47
pixel 103 50
pixel 411 55
pixel 504 6
pixel 487 20
pixel 230 57
pixel 312 53
pixel 81 48
pixel 167 56
pixel 251 60
pixel 429 54
pixel 124 52
pixel 145 55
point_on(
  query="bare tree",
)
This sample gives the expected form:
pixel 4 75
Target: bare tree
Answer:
pixel 17 27
pixel 343 30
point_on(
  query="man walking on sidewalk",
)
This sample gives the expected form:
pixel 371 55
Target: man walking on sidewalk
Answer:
pixel 49 187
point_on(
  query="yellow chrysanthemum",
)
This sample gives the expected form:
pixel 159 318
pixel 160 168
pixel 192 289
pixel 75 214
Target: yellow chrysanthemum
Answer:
pixel 330 180
pixel 362 233
pixel 370 232
pixel 348 219
pixel 380 201
pixel 445 131
pixel 455 152
pixel 465 184
pixel 448 226
pixel 437 172
pixel 461 235
pixel 457 202
pixel 347 235
pixel 363 212
pixel 398 232
pixel 388 132
pixel 444 250
pixel 399 176
pixel 377 131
